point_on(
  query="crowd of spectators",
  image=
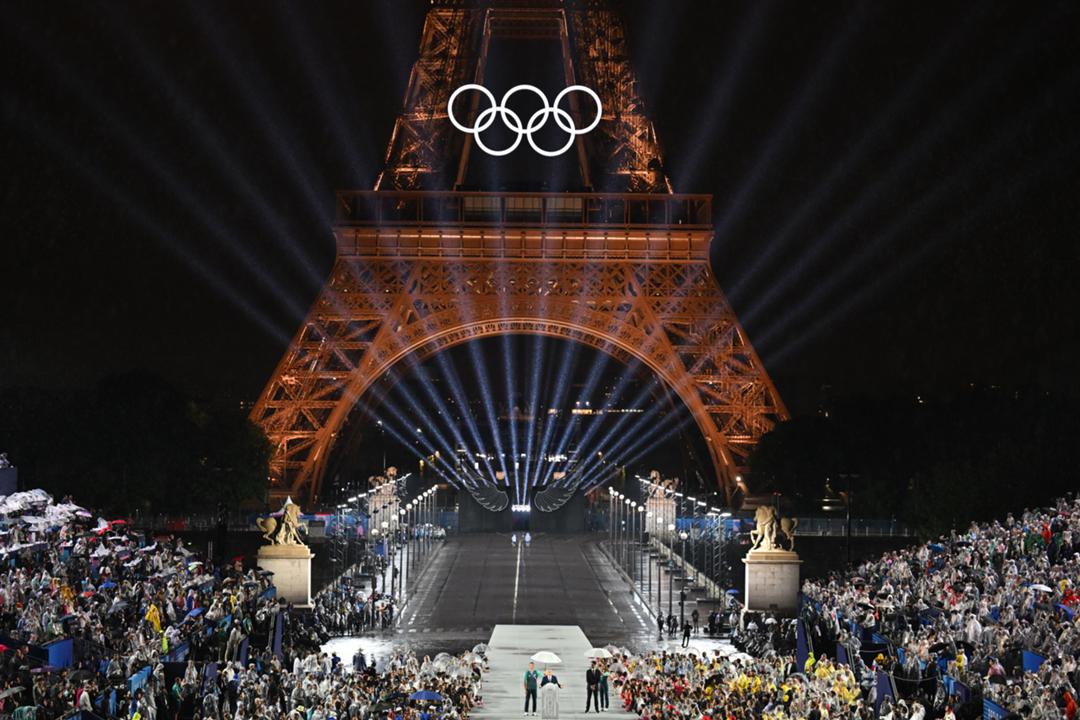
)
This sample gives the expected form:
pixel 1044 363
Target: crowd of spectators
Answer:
pixel 925 632
pixel 975 606
pixel 151 631
pixel 714 685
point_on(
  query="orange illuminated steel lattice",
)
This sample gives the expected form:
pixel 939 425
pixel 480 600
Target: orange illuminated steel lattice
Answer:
pixel 421 268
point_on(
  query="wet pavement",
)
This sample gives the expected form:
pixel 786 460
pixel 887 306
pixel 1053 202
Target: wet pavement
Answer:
pixel 475 582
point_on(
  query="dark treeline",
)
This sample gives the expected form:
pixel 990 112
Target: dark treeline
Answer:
pixel 134 442
pixel 934 463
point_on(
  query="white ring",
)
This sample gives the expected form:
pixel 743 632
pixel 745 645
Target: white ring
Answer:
pixel 513 121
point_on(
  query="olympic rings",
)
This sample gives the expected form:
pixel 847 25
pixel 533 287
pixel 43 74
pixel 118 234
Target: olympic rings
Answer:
pixel 513 121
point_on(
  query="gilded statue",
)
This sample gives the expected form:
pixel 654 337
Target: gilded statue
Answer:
pixel 285 531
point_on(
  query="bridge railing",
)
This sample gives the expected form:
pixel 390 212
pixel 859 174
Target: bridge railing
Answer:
pixel 455 208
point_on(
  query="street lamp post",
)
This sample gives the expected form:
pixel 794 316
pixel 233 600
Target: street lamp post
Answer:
pixel 682 592
pixel 632 537
pixel 693 546
pixel 641 543
pixel 386 548
pixel 671 573
pixel 402 578
pixel 611 518
pixel 648 522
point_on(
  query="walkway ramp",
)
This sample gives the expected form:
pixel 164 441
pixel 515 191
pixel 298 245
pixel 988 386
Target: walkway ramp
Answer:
pixel 509 651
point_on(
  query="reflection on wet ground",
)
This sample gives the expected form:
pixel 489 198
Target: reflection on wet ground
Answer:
pixel 477 581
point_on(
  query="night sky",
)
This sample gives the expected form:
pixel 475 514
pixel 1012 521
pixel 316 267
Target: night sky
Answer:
pixel 897 184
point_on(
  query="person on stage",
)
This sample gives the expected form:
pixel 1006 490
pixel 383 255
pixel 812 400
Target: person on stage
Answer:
pixel 592 683
pixel 549 696
pixel 604 704
pixel 532 678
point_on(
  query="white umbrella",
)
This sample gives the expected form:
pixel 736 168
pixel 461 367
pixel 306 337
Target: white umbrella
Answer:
pixel 595 653
pixel 547 657
pixel 1041 588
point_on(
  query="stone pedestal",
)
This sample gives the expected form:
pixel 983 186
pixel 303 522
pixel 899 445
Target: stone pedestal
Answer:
pixel 291 565
pixel 772 581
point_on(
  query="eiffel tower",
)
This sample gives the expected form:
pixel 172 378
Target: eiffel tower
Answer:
pixel 424 263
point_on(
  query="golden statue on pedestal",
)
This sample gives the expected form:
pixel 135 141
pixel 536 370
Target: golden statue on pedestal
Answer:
pixel 285 531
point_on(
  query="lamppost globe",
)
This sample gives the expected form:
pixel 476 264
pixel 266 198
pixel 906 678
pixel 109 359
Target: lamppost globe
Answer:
pixel 626 500
pixel 671 527
pixel 682 535
pixel 385 524
pixel 633 504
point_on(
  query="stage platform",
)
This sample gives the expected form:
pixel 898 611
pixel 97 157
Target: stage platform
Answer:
pixel 508 654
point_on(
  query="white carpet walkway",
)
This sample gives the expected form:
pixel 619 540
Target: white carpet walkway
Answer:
pixel 508 655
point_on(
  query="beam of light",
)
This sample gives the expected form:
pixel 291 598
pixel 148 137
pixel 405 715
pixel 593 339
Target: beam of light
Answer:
pixel 121 128
pixel 798 110
pixel 416 432
pixel 643 396
pixel 1002 138
pixel 532 406
pixel 217 148
pixel 429 425
pixel 484 385
pixel 570 355
pixel 630 448
pixel 1002 195
pixel 716 113
pixel 556 402
pixel 407 442
pixel 296 24
pixel 98 181
pixel 594 377
pixel 596 373
pixel 907 161
pixel 444 412
pixel 508 370
pixel 644 425
pixel 462 402
pixel 251 84
pixel 778 244
pixel 585 445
